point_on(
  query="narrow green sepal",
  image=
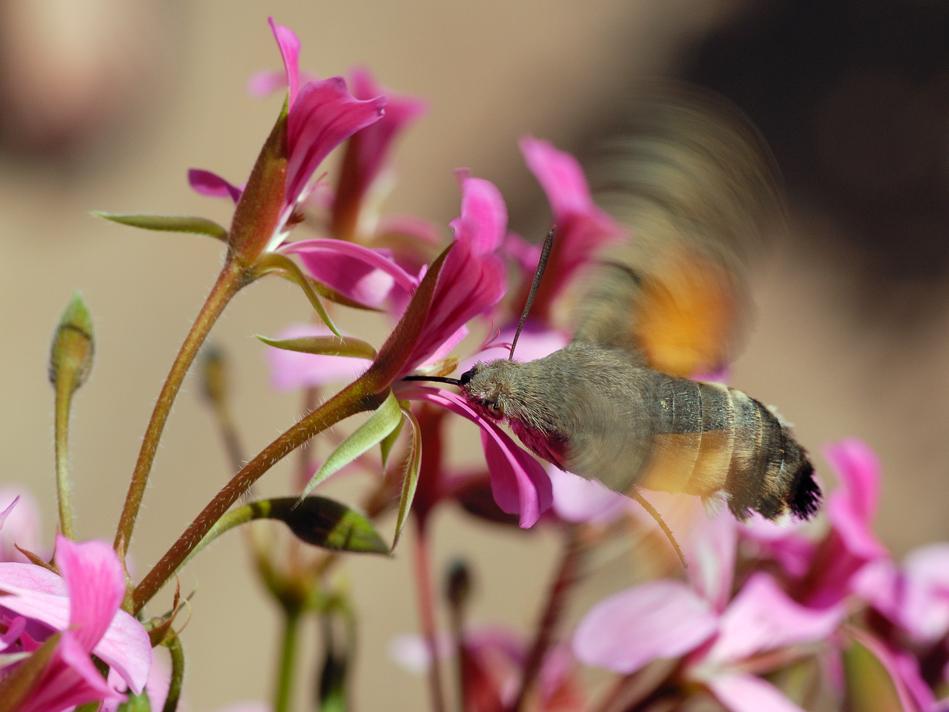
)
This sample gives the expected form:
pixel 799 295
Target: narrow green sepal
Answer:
pixel 324 345
pixel 73 346
pixel 870 685
pixel 15 688
pixel 413 465
pixel 388 442
pixel 168 223
pixel 328 524
pixel 136 703
pixel 273 262
pixel 382 422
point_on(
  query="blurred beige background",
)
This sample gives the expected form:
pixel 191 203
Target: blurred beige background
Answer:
pixel 117 99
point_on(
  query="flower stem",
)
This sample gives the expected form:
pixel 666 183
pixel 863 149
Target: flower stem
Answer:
pixel 567 575
pixel 426 602
pixel 64 391
pixel 349 401
pixel 288 654
pixel 177 673
pixel 232 278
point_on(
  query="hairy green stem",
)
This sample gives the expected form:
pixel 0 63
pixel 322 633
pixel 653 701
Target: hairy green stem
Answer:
pixel 232 278
pixel 283 694
pixel 351 400
pixel 177 673
pixel 65 387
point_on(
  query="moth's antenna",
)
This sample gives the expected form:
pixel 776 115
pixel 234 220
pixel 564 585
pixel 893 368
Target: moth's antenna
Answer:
pixel 544 254
pixel 634 493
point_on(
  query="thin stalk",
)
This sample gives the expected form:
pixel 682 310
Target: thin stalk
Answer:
pixel 64 391
pixel 283 693
pixel 566 577
pixel 426 602
pixel 177 673
pixel 349 401
pixel 232 278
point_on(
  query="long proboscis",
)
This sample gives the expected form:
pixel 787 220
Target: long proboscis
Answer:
pixel 541 266
pixel 436 379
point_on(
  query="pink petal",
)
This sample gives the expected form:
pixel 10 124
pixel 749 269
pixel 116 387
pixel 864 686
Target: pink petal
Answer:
pixel 324 115
pixel 745 693
pixel 289 46
pixel 784 542
pixel 312 252
pixel 661 619
pixel 483 219
pixel 212 185
pixel 96 585
pixel 858 470
pixel 710 551
pixel 473 278
pixel 19 524
pixel 375 142
pixel 519 483
pixel 70 679
pixel 291 370
pixel 560 175
pixel 762 617
pixel 580 500
pixel 447 346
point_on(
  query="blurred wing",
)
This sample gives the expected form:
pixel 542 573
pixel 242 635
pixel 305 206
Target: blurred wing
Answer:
pixel 696 184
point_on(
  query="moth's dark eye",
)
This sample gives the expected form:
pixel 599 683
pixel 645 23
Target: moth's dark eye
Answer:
pixel 496 407
pixel 466 377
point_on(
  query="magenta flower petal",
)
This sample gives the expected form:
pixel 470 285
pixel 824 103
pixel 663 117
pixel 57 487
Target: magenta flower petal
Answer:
pixel 762 617
pixel 289 45
pixel 784 543
pixel 745 693
pixel 518 482
pixel 212 185
pixel 580 500
pixel 858 469
pixel 710 551
pixel 96 585
pixel 661 619
pixel 375 142
pixel 582 226
pixel 323 115
pixel 473 277
pixel 19 524
pixel 291 370
pixel 358 272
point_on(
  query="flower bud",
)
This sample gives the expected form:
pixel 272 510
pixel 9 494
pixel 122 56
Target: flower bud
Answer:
pixel 70 358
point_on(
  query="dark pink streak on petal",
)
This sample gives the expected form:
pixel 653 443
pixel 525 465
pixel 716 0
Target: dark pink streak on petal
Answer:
pixel 324 115
pixel 212 185
pixel 289 46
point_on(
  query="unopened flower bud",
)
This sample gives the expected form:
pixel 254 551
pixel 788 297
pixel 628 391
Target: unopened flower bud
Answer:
pixel 214 375
pixel 70 358
pixel 458 584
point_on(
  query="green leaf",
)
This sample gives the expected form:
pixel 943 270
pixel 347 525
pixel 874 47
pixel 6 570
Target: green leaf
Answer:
pixel 871 683
pixel 273 262
pixel 328 524
pixel 413 463
pixel 168 223
pixel 386 419
pixel 324 345
pixel 15 688
pixel 389 441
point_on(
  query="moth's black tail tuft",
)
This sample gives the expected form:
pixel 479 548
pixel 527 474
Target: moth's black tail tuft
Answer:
pixel 806 494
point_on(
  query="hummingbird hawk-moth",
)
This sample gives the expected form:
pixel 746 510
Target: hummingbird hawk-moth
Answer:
pixel 697 188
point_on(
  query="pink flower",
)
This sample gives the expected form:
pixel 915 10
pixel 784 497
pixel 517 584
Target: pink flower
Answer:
pixel 367 151
pixel 83 606
pixel 850 509
pixel 320 116
pixel 718 639
pixel 582 227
